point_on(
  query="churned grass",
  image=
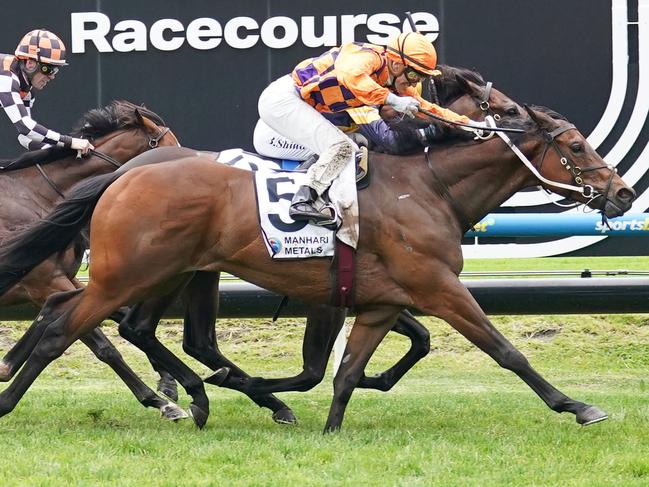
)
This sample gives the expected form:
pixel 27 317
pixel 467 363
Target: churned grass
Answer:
pixel 457 419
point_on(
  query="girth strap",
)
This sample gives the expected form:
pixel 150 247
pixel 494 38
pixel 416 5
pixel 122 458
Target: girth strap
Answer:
pixel 343 292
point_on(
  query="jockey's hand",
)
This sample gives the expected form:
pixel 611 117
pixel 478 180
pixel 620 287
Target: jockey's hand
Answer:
pixel 81 145
pixel 404 104
pixel 478 128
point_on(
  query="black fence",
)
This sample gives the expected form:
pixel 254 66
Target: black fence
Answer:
pixel 495 296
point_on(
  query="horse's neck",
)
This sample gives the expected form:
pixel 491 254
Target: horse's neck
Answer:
pixel 121 146
pixel 480 177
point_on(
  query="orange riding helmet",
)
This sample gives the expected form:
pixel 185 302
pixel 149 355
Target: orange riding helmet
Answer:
pixel 42 46
pixel 414 50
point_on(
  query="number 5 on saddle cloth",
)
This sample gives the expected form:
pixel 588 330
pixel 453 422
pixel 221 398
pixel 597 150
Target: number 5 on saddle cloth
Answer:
pixel 275 187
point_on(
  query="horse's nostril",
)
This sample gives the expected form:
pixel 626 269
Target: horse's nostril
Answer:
pixel 626 194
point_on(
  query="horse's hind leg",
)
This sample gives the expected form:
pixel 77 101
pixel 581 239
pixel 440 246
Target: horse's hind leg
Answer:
pixel 65 318
pixel 105 351
pixel 139 328
pixel 461 311
pixel 166 383
pixel 16 356
pixel 406 325
pixel 199 340
pixel 323 324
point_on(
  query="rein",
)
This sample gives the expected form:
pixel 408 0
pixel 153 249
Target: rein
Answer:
pixel 473 127
pixel 153 143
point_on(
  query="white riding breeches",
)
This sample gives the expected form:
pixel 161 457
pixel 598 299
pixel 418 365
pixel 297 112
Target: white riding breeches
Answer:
pixel 269 143
pixel 284 111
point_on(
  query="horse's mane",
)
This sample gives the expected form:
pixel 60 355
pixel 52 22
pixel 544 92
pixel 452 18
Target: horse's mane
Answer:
pixel 117 115
pixel 448 85
pixel 549 112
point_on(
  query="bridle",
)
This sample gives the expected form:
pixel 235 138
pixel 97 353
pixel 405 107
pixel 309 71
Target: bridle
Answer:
pixel 575 171
pixel 586 190
pixel 154 141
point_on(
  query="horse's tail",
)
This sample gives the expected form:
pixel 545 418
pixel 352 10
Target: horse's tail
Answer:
pixel 54 233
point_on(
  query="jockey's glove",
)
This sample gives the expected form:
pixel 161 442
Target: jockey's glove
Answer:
pixel 81 145
pixel 480 129
pixel 403 104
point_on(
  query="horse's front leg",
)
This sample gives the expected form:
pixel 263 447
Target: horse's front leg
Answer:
pixel 408 326
pixel 322 326
pixel 199 341
pixel 454 304
pixel 65 319
pixel 369 329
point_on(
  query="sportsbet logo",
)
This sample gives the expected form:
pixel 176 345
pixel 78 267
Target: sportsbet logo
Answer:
pixel 620 225
pixel 204 33
pixel 483 226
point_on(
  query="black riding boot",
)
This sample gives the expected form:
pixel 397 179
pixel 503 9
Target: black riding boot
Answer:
pixel 303 206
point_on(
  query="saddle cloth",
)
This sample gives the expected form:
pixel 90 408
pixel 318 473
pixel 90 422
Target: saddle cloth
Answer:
pixel 274 187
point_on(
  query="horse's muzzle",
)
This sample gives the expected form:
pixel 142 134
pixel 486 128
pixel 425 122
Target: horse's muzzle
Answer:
pixel 620 203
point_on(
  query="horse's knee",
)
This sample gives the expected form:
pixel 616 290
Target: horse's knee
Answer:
pixel 193 350
pixel 310 378
pixel 134 335
pixel 421 343
pixel 512 359
pixel 125 328
pixel 107 353
pixel 52 344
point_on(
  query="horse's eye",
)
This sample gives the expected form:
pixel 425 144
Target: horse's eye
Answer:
pixel 512 111
pixel 576 147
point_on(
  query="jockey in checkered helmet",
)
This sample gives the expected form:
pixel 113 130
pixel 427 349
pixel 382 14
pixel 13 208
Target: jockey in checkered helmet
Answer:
pixel 36 62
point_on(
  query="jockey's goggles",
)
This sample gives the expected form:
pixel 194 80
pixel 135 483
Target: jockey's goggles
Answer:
pixel 414 76
pixel 48 69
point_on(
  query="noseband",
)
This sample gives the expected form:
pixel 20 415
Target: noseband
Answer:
pixel 575 171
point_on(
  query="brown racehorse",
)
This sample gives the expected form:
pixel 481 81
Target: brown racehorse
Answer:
pixel 33 184
pixel 462 90
pixel 149 226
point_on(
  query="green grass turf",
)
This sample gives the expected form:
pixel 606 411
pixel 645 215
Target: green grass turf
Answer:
pixel 457 419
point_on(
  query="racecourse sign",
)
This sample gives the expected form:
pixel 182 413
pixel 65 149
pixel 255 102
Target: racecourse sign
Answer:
pixel 204 33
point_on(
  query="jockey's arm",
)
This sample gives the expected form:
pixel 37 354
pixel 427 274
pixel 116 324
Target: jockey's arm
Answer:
pixel 436 109
pixel 31 134
pixel 353 70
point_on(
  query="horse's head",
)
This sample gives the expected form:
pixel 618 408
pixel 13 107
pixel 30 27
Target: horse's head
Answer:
pixel 124 130
pixel 466 92
pixel 568 159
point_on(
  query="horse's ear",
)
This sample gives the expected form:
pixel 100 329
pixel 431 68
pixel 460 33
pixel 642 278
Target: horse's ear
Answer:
pixel 533 115
pixel 139 117
pixel 464 85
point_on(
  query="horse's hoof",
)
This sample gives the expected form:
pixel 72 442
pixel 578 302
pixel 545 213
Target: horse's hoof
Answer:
pixel 198 415
pixel 331 429
pixel 168 388
pixel 218 377
pixel 172 412
pixel 590 415
pixel 5 373
pixel 284 416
